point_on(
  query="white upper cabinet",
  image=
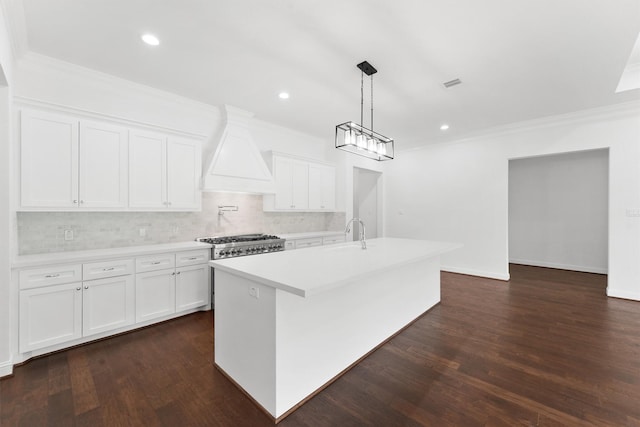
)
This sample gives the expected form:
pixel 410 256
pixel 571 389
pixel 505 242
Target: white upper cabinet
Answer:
pixel 70 163
pixel 301 185
pixel 103 165
pixel 292 183
pixel 147 170
pixel 322 187
pixel 49 160
pixel 164 172
pixel 184 164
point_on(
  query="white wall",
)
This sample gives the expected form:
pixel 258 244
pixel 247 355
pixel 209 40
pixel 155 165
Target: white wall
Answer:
pixel 365 202
pixel 459 191
pixel 6 83
pixel 558 209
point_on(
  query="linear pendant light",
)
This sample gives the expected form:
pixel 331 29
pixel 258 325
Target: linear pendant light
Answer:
pixel 357 139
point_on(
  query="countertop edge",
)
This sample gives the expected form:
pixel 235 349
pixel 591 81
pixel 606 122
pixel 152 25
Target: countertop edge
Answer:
pixel 327 287
pixel 36 260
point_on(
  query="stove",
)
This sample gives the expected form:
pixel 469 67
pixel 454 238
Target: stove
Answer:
pixel 242 245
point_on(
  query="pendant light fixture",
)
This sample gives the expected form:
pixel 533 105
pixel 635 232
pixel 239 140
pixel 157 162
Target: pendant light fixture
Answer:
pixel 357 139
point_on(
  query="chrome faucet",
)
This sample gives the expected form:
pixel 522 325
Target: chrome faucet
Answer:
pixel 363 240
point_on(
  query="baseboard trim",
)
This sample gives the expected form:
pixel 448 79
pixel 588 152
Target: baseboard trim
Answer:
pixel 559 266
pixel 617 293
pixel 6 369
pixel 479 273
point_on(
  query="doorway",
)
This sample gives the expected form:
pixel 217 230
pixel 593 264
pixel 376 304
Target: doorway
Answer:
pixel 367 202
pixel 558 211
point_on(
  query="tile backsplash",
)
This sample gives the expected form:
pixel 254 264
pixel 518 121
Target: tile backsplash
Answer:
pixel 41 232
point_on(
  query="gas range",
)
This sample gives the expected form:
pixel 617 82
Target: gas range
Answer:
pixel 242 245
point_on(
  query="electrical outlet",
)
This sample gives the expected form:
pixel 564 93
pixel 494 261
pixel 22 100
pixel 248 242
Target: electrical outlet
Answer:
pixel 254 292
pixel 68 234
pixel 143 232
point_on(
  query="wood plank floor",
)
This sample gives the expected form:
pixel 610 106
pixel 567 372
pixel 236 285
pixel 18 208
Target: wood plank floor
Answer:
pixel 546 349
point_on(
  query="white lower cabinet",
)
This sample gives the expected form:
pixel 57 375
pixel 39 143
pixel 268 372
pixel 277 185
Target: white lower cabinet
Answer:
pixel 163 292
pixel 57 306
pixel 107 304
pixel 50 315
pixel 192 287
pixel 155 294
pixel 55 314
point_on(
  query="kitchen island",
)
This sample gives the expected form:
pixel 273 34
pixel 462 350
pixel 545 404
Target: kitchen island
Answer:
pixel 288 323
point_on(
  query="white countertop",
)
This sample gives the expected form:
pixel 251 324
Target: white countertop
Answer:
pixel 306 235
pixel 321 268
pixel 103 254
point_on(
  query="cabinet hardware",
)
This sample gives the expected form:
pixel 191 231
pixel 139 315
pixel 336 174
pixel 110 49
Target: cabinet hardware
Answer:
pixel 75 202
pixel 109 269
pixel 193 258
pixel 50 276
pixel 86 287
pixel 173 274
pixel 155 263
pixel 293 206
pixel 78 288
pixel 178 272
pixel 81 201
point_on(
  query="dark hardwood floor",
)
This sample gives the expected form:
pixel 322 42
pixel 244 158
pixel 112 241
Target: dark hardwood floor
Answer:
pixel 546 349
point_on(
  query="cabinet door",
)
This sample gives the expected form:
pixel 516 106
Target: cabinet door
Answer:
pixel 184 159
pixel 192 287
pixel 103 165
pixel 147 170
pixel 283 171
pixel 322 183
pixel 155 294
pixel 107 304
pixel 49 160
pixel 300 185
pixel 50 315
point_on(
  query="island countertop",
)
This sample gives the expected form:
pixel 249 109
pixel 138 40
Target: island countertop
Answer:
pixel 309 271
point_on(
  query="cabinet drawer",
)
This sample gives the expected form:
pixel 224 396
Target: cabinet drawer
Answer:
pixel 53 275
pixel 307 243
pixel 330 240
pixel 155 262
pixel 201 256
pixel 100 270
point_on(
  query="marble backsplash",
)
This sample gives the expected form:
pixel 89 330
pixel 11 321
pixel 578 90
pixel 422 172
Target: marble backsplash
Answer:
pixel 42 232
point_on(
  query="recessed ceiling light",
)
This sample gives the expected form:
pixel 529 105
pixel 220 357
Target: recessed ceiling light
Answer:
pixel 150 39
pixel 283 95
pixel 444 127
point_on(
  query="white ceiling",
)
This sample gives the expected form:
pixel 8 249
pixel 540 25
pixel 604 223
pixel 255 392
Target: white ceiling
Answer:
pixel 517 59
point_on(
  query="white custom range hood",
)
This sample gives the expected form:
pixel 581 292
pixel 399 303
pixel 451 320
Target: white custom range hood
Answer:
pixel 236 164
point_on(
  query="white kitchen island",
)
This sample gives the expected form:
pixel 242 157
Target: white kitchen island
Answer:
pixel 288 323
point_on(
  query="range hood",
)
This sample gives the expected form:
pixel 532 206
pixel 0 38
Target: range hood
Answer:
pixel 236 164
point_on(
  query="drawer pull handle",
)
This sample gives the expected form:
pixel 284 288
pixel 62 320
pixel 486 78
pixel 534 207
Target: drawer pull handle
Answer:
pixel 193 258
pixel 109 269
pixel 155 263
pixel 51 276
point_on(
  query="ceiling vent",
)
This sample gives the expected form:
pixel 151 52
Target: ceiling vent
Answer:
pixel 453 82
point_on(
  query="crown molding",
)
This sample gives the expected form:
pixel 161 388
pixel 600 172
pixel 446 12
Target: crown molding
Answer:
pixel 21 101
pixel 13 11
pixel 38 61
pixel 621 110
